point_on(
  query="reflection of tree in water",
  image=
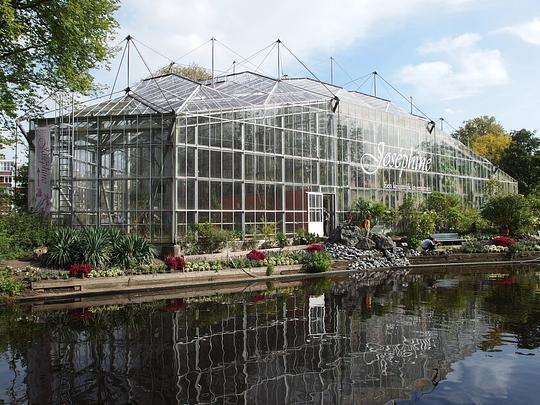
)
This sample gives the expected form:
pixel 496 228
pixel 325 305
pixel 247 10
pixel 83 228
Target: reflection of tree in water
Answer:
pixel 517 302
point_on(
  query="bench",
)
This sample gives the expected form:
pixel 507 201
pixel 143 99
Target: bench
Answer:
pixel 447 238
pixel 379 230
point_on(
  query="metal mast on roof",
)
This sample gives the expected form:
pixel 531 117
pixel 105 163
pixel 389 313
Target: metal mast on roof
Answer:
pixel 331 70
pixel 375 83
pixel 213 75
pixel 278 42
pixel 128 39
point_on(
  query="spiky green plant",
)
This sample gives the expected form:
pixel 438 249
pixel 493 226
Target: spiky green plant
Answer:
pixel 95 246
pixel 131 251
pixel 63 249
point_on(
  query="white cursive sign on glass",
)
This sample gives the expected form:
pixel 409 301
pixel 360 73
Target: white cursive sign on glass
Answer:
pixel 401 160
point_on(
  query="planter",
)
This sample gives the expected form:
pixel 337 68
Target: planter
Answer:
pixel 145 281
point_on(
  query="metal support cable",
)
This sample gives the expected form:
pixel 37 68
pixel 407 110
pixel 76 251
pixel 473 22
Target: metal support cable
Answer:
pixel 190 52
pixel 118 71
pixel 153 78
pixel 248 59
pixel 309 70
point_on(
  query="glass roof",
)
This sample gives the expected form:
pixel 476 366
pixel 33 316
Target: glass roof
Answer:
pixel 172 93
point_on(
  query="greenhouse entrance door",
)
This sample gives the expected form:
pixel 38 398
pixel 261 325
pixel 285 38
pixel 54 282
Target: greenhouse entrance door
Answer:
pixel 315 214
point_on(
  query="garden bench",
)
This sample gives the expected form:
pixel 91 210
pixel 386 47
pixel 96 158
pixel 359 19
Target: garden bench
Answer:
pixel 450 237
pixel 379 230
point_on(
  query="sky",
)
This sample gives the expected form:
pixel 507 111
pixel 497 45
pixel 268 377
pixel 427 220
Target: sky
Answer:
pixel 458 59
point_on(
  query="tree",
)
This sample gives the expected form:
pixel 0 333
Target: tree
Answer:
pixel 521 160
pixel 477 127
pixel 512 210
pixel 50 46
pixel 491 146
pixel 193 71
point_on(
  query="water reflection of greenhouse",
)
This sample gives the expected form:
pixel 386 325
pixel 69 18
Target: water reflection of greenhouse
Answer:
pixel 283 349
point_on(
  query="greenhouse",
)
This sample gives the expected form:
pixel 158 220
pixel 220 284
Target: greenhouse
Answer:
pixel 240 151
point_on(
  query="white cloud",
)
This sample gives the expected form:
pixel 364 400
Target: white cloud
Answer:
pixel 528 31
pixel 463 68
pixel 307 27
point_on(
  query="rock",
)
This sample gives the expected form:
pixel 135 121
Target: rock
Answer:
pixel 347 235
pixel 383 242
pixel 365 244
pixel 39 252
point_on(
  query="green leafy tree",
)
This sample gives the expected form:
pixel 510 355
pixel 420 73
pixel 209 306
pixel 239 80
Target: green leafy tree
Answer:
pixel 521 160
pixel 414 222
pixel 193 71
pixel 512 210
pixel 49 46
pixel 477 127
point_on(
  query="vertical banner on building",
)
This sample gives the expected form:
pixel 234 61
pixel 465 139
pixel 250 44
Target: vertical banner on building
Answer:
pixel 42 176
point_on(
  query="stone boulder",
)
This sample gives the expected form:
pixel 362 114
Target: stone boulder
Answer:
pixel 365 244
pixel 39 253
pixel 346 235
pixel 383 242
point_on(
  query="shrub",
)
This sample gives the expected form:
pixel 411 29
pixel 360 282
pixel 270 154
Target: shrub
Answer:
pixel 80 270
pixel 129 251
pixel 315 247
pixel 415 223
pixel 256 255
pixel 303 237
pixel 20 233
pixel 503 241
pixel 317 262
pixel 513 210
pixel 10 286
pixel 63 248
pixel 175 263
pixel 282 240
pixel 95 246
pixel 269 270
pixel 211 238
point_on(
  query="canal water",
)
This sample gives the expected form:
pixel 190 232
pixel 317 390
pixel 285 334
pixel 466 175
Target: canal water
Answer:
pixel 414 339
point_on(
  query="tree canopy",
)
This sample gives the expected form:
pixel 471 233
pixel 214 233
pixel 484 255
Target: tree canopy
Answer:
pixel 491 146
pixel 193 71
pixel 47 46
pixel 521 160
pixel 477 127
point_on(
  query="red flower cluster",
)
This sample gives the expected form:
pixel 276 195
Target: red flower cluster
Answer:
pixel 79 270
pixel 256 298
pixel 175 305
pixel 79 314
pixel 256 255
pixel 503 241
pixel 315 247
pixel 176 263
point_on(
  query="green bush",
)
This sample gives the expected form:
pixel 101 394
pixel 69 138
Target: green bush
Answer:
pixel 95 246
pixel 63 248
pixel 269 270
pixel 415 224
pixel 9 285
pixel 303 237
pixel 317 262
pixel 211 238
pixel 282 240
pixel 513 210
pixel 21 233
pixel 130 251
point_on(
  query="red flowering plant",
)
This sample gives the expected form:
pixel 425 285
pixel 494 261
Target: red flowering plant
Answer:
pixel 256 255
pixel 175 263
pixel 175 305
pixel 503 241
pixel 79 314
pixel 315 247
pixel 80 270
